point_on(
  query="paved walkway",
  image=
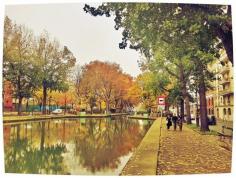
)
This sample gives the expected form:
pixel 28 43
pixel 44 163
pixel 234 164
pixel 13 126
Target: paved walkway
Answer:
pixel 188 152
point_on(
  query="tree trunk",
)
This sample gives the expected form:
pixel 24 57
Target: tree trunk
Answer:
pixel 91 108
pixel 197 111
pixel 203 107
pixel 20 106
pixel 197 121
pixel 65 110
pixel 100 106
pixel 185 95
pixel 181 113
pixel 187 106
pixel 27 105
pixel 44 99
pixel 107 106
pixel 49 106
pixel 19 96
pixel 227 40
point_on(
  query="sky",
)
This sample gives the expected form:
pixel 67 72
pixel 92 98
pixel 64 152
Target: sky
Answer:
pixel 89 38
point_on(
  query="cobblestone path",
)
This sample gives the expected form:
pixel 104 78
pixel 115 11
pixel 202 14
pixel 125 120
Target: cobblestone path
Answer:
pixel 189 152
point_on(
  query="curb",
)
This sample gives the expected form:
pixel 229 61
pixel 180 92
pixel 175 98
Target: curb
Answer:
pixel 61 117
pixel 144 159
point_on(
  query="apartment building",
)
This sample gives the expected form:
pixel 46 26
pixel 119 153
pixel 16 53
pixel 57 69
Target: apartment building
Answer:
pixel 220 100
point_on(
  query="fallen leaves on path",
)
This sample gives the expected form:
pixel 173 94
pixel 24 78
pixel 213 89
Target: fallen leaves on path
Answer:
pixel 188 152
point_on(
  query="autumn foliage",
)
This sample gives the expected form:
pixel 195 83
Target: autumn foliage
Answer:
pixel 105 82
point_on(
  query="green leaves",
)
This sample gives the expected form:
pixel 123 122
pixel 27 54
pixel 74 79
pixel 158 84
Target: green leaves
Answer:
pixel 18 60
pixel 30 63
pixel 177 40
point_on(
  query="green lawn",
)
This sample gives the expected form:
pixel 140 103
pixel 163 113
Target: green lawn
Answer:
pixel 197 129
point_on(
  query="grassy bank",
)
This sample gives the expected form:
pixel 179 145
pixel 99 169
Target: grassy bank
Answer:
pixel 197 129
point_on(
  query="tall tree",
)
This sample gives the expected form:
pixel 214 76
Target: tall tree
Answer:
pixel 55 64
pixel 149 27
pixel 215 18
pixel 19 65
pixel 104 81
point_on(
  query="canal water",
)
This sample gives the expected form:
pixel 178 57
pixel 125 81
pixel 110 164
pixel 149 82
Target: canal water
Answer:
pixel 91 146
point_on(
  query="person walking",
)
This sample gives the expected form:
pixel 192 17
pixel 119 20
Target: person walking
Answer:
pixel 180 123
pixel 169 123
pixel 174 120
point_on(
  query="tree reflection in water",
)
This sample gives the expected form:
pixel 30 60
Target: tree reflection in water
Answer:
pixel 101 147
pixel 81 146
pixel 22 157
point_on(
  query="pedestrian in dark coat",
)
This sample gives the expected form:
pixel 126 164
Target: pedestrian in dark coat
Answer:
pixel 169 123
pixel 180 123
pixel 174 120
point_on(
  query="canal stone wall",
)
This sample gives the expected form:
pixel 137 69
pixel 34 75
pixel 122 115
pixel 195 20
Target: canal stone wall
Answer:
pixel 11 119
pixel 144 160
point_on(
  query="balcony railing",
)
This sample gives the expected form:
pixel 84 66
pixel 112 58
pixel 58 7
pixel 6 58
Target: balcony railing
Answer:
pixel 226 92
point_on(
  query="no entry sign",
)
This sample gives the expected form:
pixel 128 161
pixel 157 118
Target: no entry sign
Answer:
pixel 161 100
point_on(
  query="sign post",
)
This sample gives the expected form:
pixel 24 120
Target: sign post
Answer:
pixel 161 103
pixel 161 106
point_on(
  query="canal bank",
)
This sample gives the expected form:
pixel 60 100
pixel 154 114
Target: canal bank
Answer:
pixel 142 117
pixel 145 158
pixel 11 119
pixel 169 152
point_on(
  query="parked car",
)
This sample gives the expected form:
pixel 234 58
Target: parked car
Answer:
pixel 57 111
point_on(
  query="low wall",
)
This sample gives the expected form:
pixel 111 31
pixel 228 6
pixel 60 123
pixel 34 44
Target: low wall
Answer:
pixel 48 117
pixel 144 159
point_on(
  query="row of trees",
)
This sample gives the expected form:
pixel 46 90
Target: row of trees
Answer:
pixel 104 82
pixel 178 42
pixel 32 63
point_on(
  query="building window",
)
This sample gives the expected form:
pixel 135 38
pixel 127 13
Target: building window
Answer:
pixel 229 100
pixel 229 111
pixel 224 111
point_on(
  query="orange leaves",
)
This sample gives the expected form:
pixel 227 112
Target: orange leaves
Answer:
pixel 106 82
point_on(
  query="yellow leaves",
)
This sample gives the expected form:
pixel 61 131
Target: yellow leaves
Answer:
pixel 59 98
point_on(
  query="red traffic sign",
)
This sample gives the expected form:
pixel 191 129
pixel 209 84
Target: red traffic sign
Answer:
pixel 161 100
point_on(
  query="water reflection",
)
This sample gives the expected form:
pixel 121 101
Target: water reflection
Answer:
pixel 81 146
pixel 22 157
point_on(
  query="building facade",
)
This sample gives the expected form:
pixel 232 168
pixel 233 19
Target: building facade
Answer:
pixel 220 100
